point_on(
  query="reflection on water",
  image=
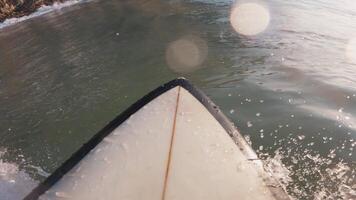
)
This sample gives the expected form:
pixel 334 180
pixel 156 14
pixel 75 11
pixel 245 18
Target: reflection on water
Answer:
pixel 351 50
pixel 290 89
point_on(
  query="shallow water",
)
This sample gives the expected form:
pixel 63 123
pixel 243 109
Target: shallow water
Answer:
pixel 290 90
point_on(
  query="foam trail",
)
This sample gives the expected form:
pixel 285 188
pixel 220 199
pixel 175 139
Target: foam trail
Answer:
pixel 40 11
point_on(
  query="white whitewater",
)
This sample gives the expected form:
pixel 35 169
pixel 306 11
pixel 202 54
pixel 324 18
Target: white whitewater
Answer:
pixel 41 11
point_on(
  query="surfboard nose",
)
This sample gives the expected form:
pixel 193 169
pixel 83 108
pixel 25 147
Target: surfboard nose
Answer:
pixel 174 143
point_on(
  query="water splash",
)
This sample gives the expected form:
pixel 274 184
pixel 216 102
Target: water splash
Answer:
pixel 307 175
pixel 14 183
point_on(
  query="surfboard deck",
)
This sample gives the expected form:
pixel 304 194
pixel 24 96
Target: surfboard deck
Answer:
pixel 174 143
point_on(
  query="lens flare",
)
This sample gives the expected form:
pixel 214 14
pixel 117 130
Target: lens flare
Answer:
pixel 249 18
pixel 351 50
pixel 186 54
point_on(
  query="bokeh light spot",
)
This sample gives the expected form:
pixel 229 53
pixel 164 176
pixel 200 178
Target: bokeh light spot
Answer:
pixel 186 54
pixel 249 18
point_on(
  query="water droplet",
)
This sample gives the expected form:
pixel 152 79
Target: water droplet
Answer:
pixel 124 146
pixel 301 137
pixel 106 160
pixel 62 195
pixel 97 150
pixel 108 140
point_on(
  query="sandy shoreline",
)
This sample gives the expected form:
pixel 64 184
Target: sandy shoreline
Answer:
pixel 20 8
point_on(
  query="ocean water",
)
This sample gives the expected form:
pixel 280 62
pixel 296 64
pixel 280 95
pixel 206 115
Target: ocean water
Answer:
pixel 290 89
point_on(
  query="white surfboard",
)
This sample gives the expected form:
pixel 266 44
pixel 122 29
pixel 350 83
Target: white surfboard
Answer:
pixel 168 146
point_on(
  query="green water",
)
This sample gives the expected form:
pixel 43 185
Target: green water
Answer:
pixel 290 90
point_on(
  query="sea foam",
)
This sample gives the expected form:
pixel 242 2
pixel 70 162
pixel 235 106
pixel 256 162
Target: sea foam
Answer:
pixel 40 11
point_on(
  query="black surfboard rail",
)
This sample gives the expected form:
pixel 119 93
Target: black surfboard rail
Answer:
pixel 275 187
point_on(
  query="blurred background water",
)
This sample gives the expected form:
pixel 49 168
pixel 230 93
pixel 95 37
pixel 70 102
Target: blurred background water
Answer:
pixel 290 90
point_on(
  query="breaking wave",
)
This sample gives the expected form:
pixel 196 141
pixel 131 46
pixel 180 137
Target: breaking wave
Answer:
pixel 40 11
